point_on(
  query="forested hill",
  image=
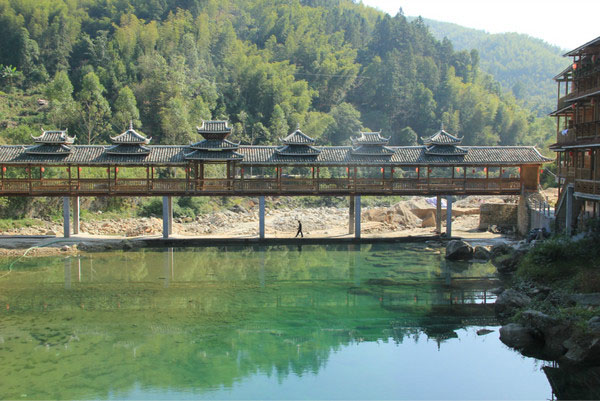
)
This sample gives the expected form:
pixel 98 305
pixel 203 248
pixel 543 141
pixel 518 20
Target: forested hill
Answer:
pixel 331 66
pixel 522 64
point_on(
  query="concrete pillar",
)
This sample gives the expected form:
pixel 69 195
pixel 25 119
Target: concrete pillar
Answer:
pixel 351 215
pixel 261 217
pixel 438 215
pixel 448 216
pixel 76 215
pixel 357 217
pixel 66 218
pixel 167 216
pixel 170 203
pixel 569 212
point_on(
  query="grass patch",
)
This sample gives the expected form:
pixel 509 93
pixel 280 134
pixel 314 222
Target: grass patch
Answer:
pixel 561 262
pixel 11 224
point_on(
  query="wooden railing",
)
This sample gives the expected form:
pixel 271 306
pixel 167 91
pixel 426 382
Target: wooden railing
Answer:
pixel 569 137
pixel 591 187
pixel 256 186
pixel 587 130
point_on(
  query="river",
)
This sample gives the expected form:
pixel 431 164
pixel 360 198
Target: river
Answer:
pixel 381 321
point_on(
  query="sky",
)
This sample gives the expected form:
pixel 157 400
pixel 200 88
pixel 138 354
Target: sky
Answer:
pixel 554 21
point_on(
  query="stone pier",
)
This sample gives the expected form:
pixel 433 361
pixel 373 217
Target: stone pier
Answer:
pixel 167 216
pixel 261 217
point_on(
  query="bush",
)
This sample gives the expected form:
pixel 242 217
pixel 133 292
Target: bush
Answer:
pixel 562 260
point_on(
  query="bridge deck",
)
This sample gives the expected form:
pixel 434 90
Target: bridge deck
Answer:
pixel 258 186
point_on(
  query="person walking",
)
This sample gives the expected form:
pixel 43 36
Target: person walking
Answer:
pixel 299 229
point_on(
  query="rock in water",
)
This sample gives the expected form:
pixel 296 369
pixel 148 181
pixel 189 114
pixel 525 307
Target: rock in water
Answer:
pixel 459 250
pixel 518 337
pixel 509 301
pixel 483 332
pixel 481 253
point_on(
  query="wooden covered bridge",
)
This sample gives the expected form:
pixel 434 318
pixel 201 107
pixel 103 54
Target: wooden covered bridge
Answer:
pixel 216 166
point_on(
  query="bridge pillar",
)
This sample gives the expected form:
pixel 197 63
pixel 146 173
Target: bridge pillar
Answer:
pixel 261 217
pixel 351 215
pixel 438 215
pixel 569 218
pixel 167 216
pixel 449 216
pixel 357 217
pixel 66 217
pixel 76 215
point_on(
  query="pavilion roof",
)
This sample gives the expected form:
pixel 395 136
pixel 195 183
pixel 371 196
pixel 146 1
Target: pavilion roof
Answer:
pixel 297 138
pixel 214 145
pixel 298 150
pixel 369 138
pixel 441 138
pixel 214 130
pixel 130 137
pixel 54 137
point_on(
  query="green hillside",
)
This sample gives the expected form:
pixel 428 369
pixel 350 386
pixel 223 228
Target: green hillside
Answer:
pixel 520 63
pixel 331 66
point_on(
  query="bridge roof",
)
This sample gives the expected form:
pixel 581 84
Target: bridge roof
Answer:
pixel 268 155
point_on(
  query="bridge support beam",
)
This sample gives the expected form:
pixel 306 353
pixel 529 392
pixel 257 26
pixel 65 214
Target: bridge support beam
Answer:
pixel 569 219
pixel 167 216
pixel 357 217
pixel 261 217
pixel 66 217
pixel 76 215
pixel 438 215
pixel 448 216
pixel 351 215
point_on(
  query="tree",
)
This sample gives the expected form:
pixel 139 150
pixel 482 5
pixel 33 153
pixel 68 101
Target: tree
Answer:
pixel 126 110
pixel 59 92
pixel 94 109
pixel 278 124
pixel 346 124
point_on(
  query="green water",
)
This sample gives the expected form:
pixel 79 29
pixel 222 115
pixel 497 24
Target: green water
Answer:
pixel 317 322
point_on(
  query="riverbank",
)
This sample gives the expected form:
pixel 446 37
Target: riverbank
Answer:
pixel 550 307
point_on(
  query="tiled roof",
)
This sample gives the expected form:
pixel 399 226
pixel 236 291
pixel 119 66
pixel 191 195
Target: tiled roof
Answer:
pixel 445 150
pixel 130 137
pixel 211 155
pixel 214 144
pixel 94 155
pixel 128 149
pixel 58 137
pixel 213 126
pixel 298 150
pixel 591 43
pixel 297 138
pixel 369 138
pixel 441 138
pixel 372 150
pixel 48 149
pixel 265 155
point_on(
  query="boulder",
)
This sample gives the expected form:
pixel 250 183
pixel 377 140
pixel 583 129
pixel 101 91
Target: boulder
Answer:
pixel 592 299
pixel 594 324
pixel 518 337
pixel 509 301
pixel 50 232
pixel 428 220
pixel 508 262
pixel 539 320
pixel 582 350
pixel 483 332
pixel 459 250
pixel 481 253
pixel 500 249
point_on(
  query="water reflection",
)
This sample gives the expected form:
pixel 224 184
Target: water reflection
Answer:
pixel 218 322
